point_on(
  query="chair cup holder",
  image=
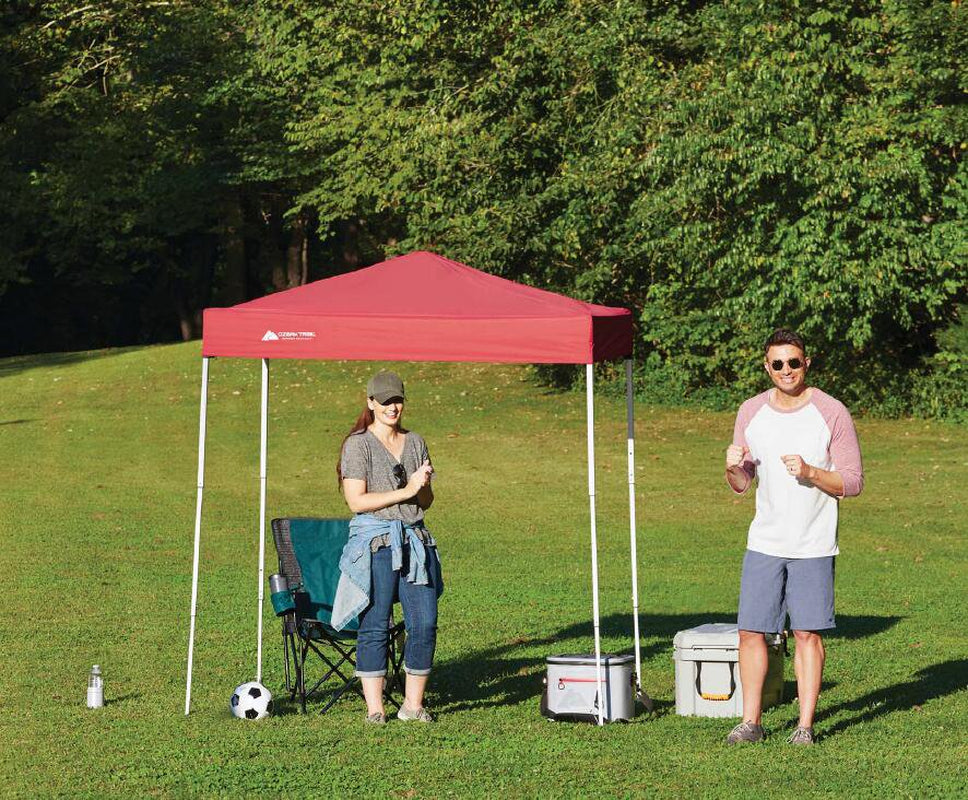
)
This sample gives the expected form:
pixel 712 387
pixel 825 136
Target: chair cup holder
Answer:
pixel 283 602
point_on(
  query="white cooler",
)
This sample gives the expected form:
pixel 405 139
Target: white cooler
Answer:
pixel 571 688
pixel 707 671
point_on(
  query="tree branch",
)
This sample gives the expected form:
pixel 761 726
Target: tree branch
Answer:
pixel 68 14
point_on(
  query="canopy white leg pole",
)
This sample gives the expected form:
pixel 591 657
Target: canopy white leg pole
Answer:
pixel 263 452
pixel 630 416
pixel 202 414
pixel 590 399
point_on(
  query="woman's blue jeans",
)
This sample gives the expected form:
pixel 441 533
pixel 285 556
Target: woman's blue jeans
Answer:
pixel 419 614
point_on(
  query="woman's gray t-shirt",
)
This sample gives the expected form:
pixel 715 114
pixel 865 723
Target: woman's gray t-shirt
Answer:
pixel 365 458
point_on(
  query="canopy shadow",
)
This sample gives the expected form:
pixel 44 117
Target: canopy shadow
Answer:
pixel 507 674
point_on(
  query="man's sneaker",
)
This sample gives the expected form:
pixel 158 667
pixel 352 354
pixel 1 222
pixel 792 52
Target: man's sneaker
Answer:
pixel 746 732
pixel 420 715
pixel 376 719
pixel 801 735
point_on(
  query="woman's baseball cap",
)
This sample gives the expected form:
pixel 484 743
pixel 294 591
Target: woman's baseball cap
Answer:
pixel 384 386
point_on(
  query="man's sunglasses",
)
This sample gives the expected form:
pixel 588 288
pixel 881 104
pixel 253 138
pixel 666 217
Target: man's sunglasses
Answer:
pixel 777 363
pixel 400 474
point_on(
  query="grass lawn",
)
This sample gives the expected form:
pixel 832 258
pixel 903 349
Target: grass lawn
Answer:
pixel 98 475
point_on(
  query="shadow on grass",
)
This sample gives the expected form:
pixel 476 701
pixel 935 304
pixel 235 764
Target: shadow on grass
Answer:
pixel 660 708
pixel 111 701
pixel 14 365
pixel 506 675
pixel 929 683
pixel 284 706
pixel 790 690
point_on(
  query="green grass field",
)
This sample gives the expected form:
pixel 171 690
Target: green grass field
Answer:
pixel 98 475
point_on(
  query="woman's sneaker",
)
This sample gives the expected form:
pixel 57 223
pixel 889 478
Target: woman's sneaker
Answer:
pixel 420 715
pixel 376 719
pixel 746 732
pixel 801 735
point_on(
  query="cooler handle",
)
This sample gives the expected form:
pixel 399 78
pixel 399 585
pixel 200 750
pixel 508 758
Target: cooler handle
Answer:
pixel 563 681
pixel 710 696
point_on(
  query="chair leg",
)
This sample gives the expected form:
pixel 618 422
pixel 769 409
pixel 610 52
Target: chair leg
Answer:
pixel 339 657
pixel 301 674
pixel 285 658
pixel 344 655
pixel 338 693
pixel 293 671
pixel 297 673
pixel 287 653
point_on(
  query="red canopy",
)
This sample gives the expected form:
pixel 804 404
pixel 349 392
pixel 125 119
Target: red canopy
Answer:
pixel 419 307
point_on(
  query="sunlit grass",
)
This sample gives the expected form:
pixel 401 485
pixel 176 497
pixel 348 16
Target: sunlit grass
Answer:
pixel 98 476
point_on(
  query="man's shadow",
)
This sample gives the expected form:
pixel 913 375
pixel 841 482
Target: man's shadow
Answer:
pixel 510 673
pixel 929 683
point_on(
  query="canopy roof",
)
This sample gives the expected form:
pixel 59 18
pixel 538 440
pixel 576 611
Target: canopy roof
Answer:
pixel 419 307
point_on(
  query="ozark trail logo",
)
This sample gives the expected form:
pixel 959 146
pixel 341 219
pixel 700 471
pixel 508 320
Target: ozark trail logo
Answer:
pixel 273 336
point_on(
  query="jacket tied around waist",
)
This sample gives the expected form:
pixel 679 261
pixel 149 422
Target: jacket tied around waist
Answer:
pixel 353 590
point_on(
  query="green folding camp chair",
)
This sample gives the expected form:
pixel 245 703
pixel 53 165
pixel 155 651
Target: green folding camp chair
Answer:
pixel 309 551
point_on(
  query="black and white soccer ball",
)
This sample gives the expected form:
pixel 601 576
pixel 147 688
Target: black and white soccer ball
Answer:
pixel 251 701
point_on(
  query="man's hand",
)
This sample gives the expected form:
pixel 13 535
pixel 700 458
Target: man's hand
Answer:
pixel 736 476
pixel 830 482
pixel 736 455
pixel 796 467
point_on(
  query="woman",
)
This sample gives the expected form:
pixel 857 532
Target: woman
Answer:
pixel 384 471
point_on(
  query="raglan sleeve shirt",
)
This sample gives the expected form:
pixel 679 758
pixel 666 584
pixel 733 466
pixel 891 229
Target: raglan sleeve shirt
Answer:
pixel 746 412
pixel 795 519
pixel 844 446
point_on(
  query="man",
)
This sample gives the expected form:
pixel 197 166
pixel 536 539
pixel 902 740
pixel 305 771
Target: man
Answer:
pixel 801 444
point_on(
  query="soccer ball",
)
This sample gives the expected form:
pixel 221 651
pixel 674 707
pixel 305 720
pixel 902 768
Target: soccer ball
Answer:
pixel 251 701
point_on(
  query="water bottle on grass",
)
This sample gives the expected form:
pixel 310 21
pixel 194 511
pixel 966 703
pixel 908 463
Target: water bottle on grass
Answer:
pixel 95 688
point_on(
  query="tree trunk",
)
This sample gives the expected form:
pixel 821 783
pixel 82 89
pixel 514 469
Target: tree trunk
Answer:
pixel 295 253
pixel 273 247
pixel 305 260
pixel 233 288
pixel 349 232
pixel 186 318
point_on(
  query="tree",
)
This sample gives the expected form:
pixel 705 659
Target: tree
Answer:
pixel 720 167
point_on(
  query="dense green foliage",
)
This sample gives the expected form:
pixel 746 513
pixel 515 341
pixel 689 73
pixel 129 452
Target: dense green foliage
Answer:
pixel 720 167
pixel 98 480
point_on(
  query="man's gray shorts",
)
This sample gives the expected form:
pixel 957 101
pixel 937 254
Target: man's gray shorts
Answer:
pixel 772 587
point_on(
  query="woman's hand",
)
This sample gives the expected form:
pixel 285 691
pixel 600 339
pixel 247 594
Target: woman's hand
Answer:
pixel 420 478
pixel 361 501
